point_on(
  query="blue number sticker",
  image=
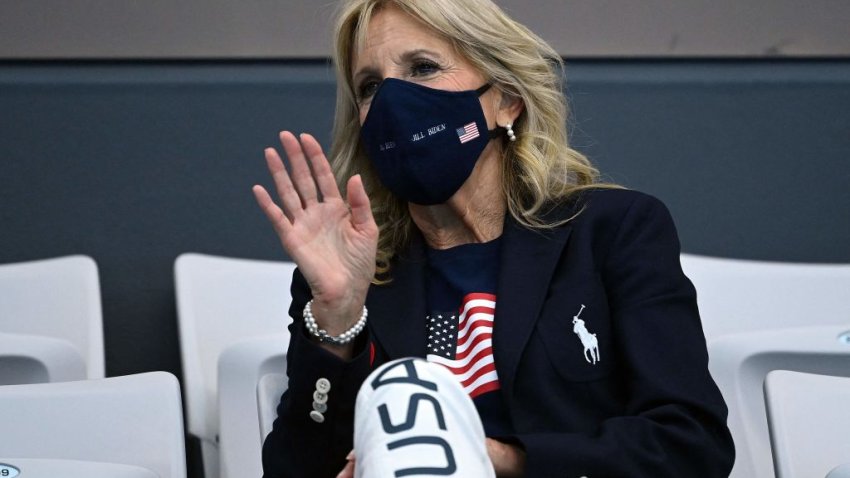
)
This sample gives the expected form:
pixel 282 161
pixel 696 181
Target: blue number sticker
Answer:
pixel 8 471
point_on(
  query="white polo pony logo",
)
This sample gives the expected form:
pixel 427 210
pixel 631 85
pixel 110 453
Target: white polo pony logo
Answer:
pixel 591 345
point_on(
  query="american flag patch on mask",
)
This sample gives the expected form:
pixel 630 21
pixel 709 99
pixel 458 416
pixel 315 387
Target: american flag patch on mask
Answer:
pixel 468 132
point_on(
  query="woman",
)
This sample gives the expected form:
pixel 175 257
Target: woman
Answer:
pixel 578 336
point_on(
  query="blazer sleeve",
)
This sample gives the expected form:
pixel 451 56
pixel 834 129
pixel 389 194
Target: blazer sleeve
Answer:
pixel 298 446
pixel 674 423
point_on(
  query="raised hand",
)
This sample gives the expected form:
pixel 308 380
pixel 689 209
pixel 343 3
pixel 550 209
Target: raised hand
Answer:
pixel 333 241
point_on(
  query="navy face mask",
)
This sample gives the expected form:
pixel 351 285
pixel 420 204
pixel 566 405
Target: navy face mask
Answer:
pixel 424 142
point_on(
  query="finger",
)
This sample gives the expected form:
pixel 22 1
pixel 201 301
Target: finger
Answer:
pixel 302 178
pixel 321 168
pixel 283 184
pixel 358 201
pixel 275 215
pixel 348 471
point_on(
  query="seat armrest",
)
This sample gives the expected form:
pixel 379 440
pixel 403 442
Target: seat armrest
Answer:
pixel 240 369
pixel 39 359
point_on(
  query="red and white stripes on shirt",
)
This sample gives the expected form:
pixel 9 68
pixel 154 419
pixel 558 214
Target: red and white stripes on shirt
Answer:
pixel 468 354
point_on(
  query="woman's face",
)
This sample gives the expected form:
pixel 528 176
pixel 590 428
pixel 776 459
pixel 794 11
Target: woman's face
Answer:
pixel 398 46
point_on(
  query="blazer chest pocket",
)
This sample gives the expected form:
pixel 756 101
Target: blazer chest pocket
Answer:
pixel 576 332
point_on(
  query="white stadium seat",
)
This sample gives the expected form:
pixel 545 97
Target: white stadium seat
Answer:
pixel 222 301
pixel 50 311
pixel 130 426
pixel 736 295
pixel 247 401
pixel 809 417
pixel 762 316
pixel 36 359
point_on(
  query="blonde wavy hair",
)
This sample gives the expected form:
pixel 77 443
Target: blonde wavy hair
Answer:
pixel 540 169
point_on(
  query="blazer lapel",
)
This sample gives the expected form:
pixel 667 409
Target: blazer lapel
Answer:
pixel 397 310
pixel 529 258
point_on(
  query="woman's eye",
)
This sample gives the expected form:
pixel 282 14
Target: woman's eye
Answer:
pixel 367 89
pixel 423 68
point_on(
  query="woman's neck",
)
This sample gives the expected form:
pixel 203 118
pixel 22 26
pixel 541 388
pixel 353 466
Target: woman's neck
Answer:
pixel 475 213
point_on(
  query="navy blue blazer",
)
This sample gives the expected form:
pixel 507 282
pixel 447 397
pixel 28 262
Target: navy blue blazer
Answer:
pixel 647 408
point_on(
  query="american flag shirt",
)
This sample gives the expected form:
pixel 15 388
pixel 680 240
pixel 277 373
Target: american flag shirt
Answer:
pixel 459 327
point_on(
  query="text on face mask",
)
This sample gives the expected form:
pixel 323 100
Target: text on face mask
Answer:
pixel 430 131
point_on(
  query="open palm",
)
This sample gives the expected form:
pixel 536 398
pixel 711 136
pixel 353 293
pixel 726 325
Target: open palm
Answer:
pixel 332 240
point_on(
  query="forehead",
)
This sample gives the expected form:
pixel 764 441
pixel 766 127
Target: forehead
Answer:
pixel 391 32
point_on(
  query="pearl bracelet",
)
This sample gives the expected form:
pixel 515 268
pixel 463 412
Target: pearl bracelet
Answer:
pixel 322 334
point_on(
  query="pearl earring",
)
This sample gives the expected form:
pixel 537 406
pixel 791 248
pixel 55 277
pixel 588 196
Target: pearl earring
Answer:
pixel 511 135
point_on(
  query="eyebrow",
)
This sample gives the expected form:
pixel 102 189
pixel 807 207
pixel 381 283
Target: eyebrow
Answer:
pixel 407 56
pixel 414 53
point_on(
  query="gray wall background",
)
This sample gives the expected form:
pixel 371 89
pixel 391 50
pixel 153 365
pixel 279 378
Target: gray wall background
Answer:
pixel 301 28
pixel 132 131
